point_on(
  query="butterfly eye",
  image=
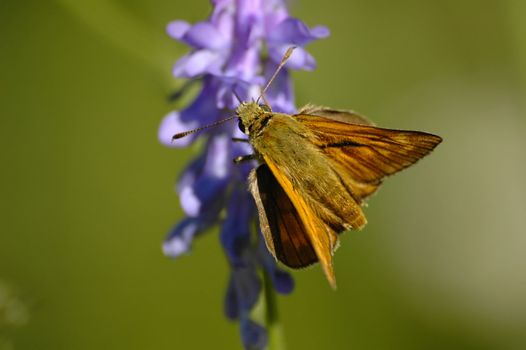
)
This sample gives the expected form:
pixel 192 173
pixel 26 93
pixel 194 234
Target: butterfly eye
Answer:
pixel 241 126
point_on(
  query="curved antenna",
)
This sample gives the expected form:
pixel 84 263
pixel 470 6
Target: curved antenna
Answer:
pixel 284 60
pixel 236 96
pixel 184 133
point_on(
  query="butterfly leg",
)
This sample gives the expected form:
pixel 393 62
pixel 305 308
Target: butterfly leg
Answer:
pixel 246 158
pixel 238 139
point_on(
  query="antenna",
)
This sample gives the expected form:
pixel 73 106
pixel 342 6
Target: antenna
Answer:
pixel 184 133
pixel 284 60
pixel 236 95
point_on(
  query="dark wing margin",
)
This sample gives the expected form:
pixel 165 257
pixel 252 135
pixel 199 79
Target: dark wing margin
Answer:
pixel 282 228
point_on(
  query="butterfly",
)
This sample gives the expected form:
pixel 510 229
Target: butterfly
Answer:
pixel 317 168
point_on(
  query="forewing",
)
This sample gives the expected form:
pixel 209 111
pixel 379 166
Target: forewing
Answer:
pixel 366 154
pixel 284 233
pixel 335 114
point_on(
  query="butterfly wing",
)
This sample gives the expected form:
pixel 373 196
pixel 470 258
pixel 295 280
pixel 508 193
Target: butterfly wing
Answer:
pixel 281 225
pixel 335 114
pixel 318 169
pixel 366 154
pixel 294 234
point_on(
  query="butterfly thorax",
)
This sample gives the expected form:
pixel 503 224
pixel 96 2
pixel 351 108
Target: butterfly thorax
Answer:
pixel 252 117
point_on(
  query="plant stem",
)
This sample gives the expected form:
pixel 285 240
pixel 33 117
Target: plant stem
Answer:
pixel 276 337
pixel 126 32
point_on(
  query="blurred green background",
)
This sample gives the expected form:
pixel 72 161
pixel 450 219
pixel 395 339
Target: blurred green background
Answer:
pixel 87 190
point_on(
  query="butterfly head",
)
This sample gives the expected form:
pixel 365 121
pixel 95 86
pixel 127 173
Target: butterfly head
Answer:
pixel 250 115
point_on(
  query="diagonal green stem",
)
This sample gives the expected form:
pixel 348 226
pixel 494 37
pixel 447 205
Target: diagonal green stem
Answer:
pixel 126 32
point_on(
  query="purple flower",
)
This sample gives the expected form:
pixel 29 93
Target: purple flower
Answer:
pixel 228 57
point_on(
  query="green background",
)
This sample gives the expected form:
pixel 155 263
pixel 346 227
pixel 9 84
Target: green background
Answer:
pixel 87 190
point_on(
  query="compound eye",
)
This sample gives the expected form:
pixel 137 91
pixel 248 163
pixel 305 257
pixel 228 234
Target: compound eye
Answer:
pixel 241 126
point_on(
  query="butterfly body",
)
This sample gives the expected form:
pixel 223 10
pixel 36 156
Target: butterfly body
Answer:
pixel 318 167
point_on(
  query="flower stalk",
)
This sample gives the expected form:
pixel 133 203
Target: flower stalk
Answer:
pixel 276 335
pixel 234 53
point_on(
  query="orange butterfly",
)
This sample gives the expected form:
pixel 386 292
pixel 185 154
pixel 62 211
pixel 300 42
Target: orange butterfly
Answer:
pixel 318 167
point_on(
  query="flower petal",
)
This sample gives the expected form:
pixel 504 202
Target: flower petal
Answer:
pixel 248 16
pixel 218 156
pixel 300 58
pixel 320 32
pixel 248 286
pixel 199 62
pixel 202 111
pixel 206 195
pixel 223 18
pixel 243 64
pixel 283 282
pixel 231 301
pixel 292 31
pixel 191 173
pixel 235 233
pixel 190 202
pixel 205 35
pixel 177 29
pixel 246 90
pixel 171 125
pixel 275 12
pixel 202 190
pixel 179 240
pixel 253 335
